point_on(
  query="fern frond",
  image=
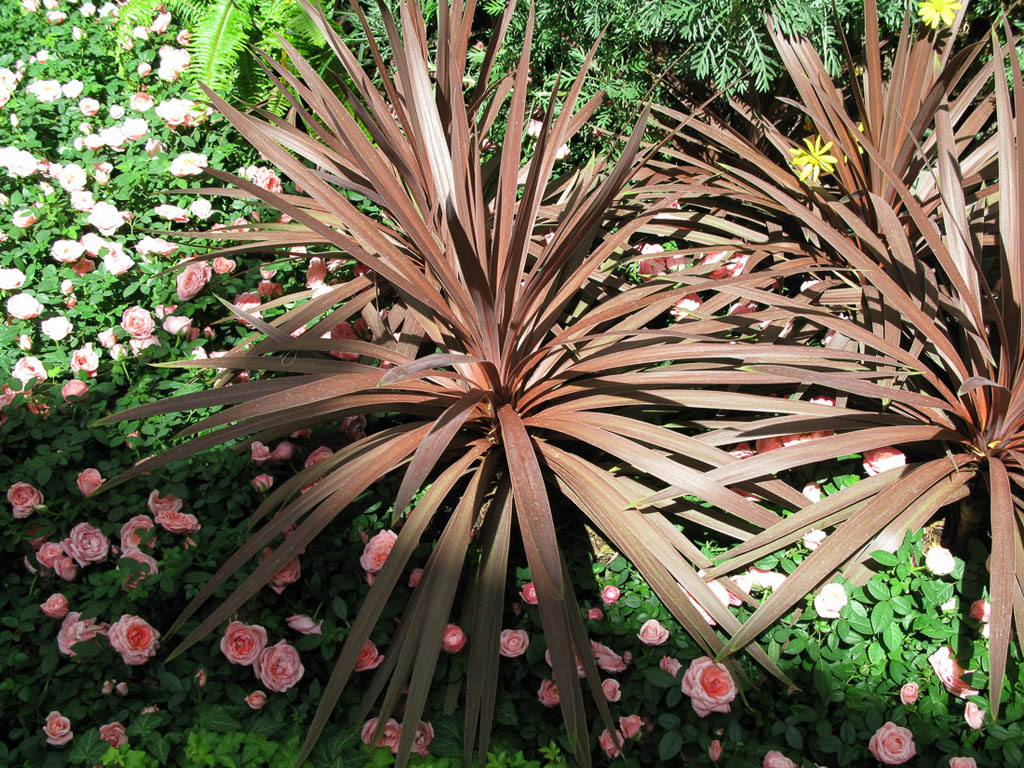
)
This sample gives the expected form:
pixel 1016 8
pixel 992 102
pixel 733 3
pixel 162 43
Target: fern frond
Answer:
pixel 187 12
pixel 218 42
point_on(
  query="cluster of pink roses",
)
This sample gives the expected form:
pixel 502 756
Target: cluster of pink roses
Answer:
pixel 276 666
pixel 391 734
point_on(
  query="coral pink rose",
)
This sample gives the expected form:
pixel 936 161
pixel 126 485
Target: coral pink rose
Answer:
pixel 138 322
pixel 606 658
pixel 56 606
pixel 177 522
pixel 414 577
pixel 24 499
pixel 421 740
pixel 57 729
pixel 595 614
pixel 258 452
pixel 263 482
pixel 610 595
pixel 830 601
pixel 89 480
pixel 134 639
pixel 75 630
pixel 974 715
pixel 454 639
pixel 547 694
pixel 223 266
pixel 709 686
pixel 114 734
pixel 130 537
pixel 192 279
pixel 85 359
pixel 318 455
pixel 610 744
pixel 652 633
pixel 909 693
pixel 670 665
pixel 514 642
pixel 369 657
pixel 74 390
pixel 278 667
pixel 48 553
pixel 776 759
pixel 65 568
pixel 158 504
pixel 243 643
pixel 950 673
pixel 377 550
pixel 715 751
pixel 256 699
pixel 305 625
pixel 892 744
pixel 87 544
pixel 389 737
pixel 612 692
pixel 529 594
pixel 962 762
pixel 880 460
pixel 630 726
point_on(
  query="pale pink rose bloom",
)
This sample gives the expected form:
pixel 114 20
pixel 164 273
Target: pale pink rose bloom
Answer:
pixel 82 200
pixel 283 451
pixel 56 606
pixel 454 639
pixel 23 306
pixel 256 699
pixel 144 68
pixel 974 716
pixel 513 642
pixel 263 482
pixel 89 480
pixel 138 322
pixel 814 538
pixel 776 759
pixel 653 633
pixel 594 614
pixel 609 743
pixel 259 453
pixel 709 686
pixel 27 369
pixel 11 279
pixel 45 90
pixel 892 744
pixel 414 577
pixel 610 687
pixel 288 574
pixel 171 213
pixel 243 643
pixel 72 178
pixel 201 208
pixel 880 460
pixel 141 102
pixel 25 343
pixel 131 580
pixel 316 273
pixel 376 551
pixel 191 280
pixel 830 601
pixel 155 147
pixel 134 639
pixel 369 657
pixel 610 595
pixel 158 504
pixel 106 218
pixel 962 762
pixel 24 499
pixel 65 568
pixel 685 306
pixel 56 328
pixel 24 218
pixel 630 725
pixel 74 390
pixel 389 737
pixel 73 630
pixel 177 324
pixel 305 625
pixel 715 750
pixel 223 266
pixel 85 359
pixel 670 665
pixel 57 729
pixel 48 553
pixel 134 129
pixel 607 659
pixel 421 740
pixel 161 23
pixel 122 690
pixel 114 734
pixel 547 694
pixel 529 594
pixel 130 536
pixel 177 522
pixel 909 693
pixel 155 246
pixel 18 162
pixel 188 164
pixel 279 667
pixel 87 544
pixel 939 561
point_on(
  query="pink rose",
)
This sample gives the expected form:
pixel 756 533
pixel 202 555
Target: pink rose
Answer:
pixel 89 480
pixel 243 643
pixel 74 630
pixel 513 642
pixel 609 743
pixel 974 715
pixel 606 658
pixel 188 164
pixel 256 699
pixel 134 639
pixel 369 657
pixel 709 686
pixel 87 544
pixel 24 499
pixel 981 611
pixel 168 503
pixel 652 633
pixel 258 452
pixel 65 568
pixel 949 672
pixel 389 736
pixel 85 359
pixel 830 601
pixel 414 577
pixel 114 734
pixel 305 625
pixel 283 451
pixel 177 324
pixel 939 561
pixel 595 614
pixel 177 522
pixel 48 553
pixel 880 460
pixel 377 550
pixel 610 595
pixel 263 482
pixel 630 726
pixel 776 759
pixel 138 322
pixel 424 735
pixel 223 266
pixel 454 639
pixel 57 729
pixel 962 762
pixel 715 751
pixel 278 667
pixel 130 538
pixel 27 369
pixel 909 693
pixel 56 606
pixel 814 538
pixel 892 745
pixel 547 694
pixel 23 306
pixel 319 455
pixel 74 390
pixel 529 594
pixel 612 691
pixel 289 573
pixel 670 665
pixel 132 579
pixel 192 279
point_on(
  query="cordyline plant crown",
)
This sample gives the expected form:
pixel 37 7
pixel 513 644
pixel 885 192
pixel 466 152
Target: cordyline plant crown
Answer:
pixel 518 365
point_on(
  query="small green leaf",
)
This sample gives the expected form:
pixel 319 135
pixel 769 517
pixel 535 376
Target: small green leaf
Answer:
pixel 670 745
pixel 88 747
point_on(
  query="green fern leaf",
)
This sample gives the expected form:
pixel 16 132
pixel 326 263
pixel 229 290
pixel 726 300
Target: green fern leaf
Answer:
pixel 217 44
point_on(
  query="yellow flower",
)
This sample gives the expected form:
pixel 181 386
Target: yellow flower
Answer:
pixel 814 160
pixel 932 12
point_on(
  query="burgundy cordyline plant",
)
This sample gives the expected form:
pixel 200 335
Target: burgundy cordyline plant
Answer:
pixel 525 370
pixel 914 233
